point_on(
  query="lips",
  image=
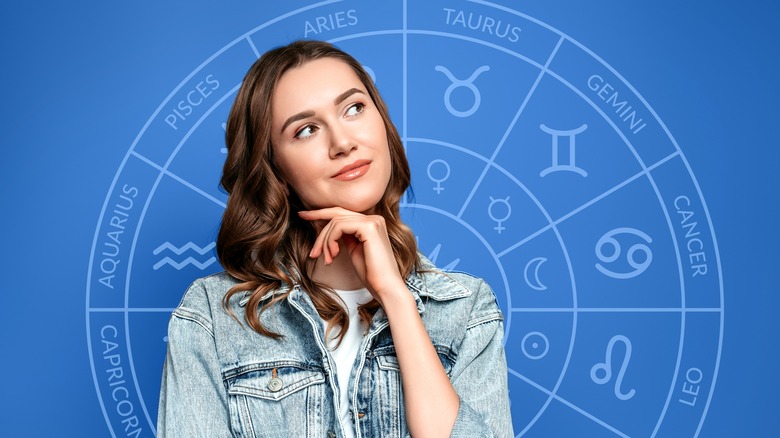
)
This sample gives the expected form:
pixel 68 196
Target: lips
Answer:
pixel 353 170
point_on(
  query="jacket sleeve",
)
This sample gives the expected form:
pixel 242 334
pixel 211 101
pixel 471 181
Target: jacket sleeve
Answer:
pixel 193 399
pixel 479 375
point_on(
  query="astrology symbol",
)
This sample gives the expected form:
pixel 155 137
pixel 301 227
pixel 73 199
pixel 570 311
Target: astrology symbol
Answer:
pixel 178 251
pixel 606 368
pixel 438 181
pixel 493 202
pixel 556 166
pixel 538 343
pixel 608 239
pixel 224 128
pixel 370 72
pixel 462 83
pixel 434 256
pixel 536 284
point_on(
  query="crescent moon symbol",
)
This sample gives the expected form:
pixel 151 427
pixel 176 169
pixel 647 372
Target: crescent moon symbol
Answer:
pixel 536 284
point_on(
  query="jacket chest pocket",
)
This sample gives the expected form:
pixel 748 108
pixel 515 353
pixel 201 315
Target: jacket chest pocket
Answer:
pixel 277 400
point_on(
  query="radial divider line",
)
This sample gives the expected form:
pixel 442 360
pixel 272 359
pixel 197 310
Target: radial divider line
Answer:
pixel 582 207
pixel 132 309
pixel 617 309
pixel 511 126
pixel 567 403
pixel 179 179
pixel 404 77
pixel 252 45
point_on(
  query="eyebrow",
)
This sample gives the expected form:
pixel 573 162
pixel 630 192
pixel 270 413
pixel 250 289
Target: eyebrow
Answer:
pixel 343 96
pixel 305 114
pixel 296 117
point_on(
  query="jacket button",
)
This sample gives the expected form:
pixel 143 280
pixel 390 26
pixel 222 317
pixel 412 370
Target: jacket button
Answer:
pixel 275 384
pixel 331 434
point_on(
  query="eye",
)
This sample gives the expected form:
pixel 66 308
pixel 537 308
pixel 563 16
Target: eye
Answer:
pixel 306 132
pixel 355 109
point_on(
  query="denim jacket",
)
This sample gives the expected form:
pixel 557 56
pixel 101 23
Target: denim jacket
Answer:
pixel 224 379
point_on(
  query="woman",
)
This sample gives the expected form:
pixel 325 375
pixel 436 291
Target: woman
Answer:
pixel 327 322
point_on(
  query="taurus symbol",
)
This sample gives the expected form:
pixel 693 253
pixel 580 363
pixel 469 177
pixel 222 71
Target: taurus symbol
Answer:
pixel 462 83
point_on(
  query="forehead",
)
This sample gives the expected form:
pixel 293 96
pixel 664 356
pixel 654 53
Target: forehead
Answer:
pixel 312 85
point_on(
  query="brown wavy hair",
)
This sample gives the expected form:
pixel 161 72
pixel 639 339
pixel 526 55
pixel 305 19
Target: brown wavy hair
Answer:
pixel 262 242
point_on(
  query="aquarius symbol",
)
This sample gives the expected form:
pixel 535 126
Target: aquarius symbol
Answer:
pixel 493 202
pixel 189 260
pixel 606 368
pixel 538 343
pixel 608 240
pixel 438 181
pixel 224 128
pixel 468 83
pixel 556 166
pixel 537 263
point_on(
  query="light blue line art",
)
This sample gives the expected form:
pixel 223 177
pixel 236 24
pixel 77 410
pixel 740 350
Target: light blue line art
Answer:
pixel 605 368
pixel 252 45
pixel 134 243
pixel 509 129
pixel 180 180
pixel 616 309
pixel 187 246
pixel 138 137
pixel 553 395
pixel 589 203
pixel 404 79
pixel 468 83
pixel 132 309
pixel 186 262
pixel 562 244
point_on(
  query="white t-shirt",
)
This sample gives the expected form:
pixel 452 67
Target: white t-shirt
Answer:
pixel 344 356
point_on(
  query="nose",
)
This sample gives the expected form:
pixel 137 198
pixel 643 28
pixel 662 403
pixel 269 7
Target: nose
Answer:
pixel 341 142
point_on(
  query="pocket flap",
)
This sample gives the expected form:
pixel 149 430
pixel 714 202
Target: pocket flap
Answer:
pixel 274 383
pixel 388 362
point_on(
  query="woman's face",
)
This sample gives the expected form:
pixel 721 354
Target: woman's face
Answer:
pixel 328 138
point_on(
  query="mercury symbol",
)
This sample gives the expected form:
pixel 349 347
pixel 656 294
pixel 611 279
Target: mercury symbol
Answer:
pixel 468 83
pixel 493 202
pixel 438 181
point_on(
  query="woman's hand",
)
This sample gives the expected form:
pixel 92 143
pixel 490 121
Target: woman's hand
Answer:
pixel 365 238
pixel 429 398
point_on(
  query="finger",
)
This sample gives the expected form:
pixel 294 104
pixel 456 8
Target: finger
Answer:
pixel 319 248
pixel 326 214
pixel 332 234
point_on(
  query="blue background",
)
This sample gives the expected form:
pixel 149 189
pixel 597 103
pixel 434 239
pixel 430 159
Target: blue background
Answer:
pixel 79 81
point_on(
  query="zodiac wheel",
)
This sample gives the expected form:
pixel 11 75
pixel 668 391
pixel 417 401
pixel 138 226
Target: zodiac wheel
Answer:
pixel 535 166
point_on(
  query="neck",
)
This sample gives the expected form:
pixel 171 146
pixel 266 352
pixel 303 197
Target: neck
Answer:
pixel 340 274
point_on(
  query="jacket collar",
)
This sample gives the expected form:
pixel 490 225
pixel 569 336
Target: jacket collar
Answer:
pixel 427 281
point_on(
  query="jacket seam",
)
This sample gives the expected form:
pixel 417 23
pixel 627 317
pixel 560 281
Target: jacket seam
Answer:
pixel 190 315
pixel 483 319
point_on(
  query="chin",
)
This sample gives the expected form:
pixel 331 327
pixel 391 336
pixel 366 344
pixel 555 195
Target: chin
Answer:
pixel 365 205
